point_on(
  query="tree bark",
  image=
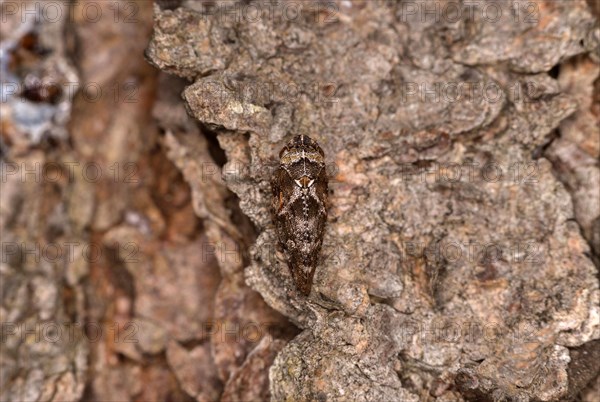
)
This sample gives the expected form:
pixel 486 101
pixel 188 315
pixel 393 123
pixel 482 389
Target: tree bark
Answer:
pixel 461 252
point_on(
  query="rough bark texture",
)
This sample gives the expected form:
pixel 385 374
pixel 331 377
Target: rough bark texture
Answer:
pixel 462 145
pixel 114 286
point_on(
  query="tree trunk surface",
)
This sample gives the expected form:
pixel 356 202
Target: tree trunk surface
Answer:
pixel 460 258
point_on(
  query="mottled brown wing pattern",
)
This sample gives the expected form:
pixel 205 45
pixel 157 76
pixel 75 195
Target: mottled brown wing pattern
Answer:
pixel 299 204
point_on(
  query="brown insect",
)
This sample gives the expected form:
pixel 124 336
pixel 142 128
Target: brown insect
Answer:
pixel 299 207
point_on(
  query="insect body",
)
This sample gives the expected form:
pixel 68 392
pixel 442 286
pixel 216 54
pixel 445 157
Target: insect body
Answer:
pixel 299 206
